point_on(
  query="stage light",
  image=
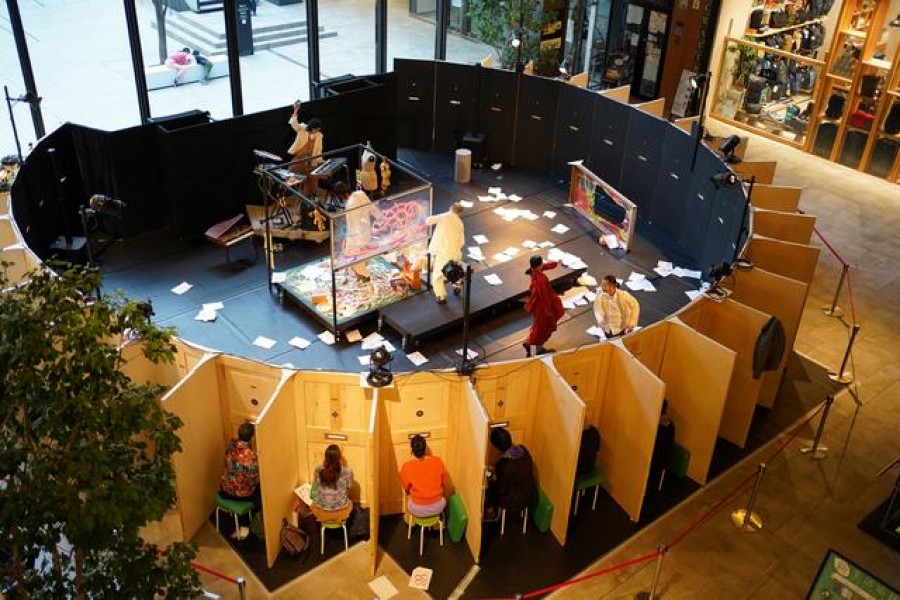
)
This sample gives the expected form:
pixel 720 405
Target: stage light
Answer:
pixel 697 81
pixel 453 271
pixel 379 370
pixel 728 147
pixel 726 179
pixel 106 204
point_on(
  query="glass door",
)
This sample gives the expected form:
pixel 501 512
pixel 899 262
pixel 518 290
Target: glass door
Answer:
pixel 650 56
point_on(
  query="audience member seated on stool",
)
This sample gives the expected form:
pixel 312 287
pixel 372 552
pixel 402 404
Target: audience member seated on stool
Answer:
pixel 331 487
pixel 422 478
pixel 587 452
pixel 662 450
pixel 240 480
pixel 512 486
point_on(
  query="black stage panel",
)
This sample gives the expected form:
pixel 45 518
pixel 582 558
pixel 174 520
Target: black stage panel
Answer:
pixel 415 102
pixel 673 182
pixel 608 136
pixel 536 122
pixel 573 127
pixel 497 98
pixel 455 111
pixel 724 225
pixel 698 206
pixel 642 157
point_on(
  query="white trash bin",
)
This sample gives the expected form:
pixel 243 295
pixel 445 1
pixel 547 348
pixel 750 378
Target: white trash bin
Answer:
pixel 463 171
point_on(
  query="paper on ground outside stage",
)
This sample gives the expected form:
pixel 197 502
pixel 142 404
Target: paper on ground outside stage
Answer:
pixel 279 277
pixel 493 279
pixel 550 214
pixel 213 306
pixel 596 331
pixel 354 336
pixel 559 228
pixel 383 588
pixel 299 342
pixel 417 358
pixel 327 337
pixel 181 288
pixel 480 239
pixel 263 342
pixel 466 204
pixel 420 578
pixel 372 341
pixel 471 354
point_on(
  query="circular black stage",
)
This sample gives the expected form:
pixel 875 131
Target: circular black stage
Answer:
pixel 150 265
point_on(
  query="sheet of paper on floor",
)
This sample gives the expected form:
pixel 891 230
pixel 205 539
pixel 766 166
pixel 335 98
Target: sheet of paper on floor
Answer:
pixel 559 228
pixel 480 239
pixel 383 588
pixel 511 251
pixel 213 306
pixel 679 272
pixel 206 315
pixel 420 578
pixel 299 343
pixel 493 191
pixel 501 257
pixel 470 353
pixel 263 342
pixel 550 214
pixel 663 268
pixel 327 337
pixel 363 359
pixel 692 294
pixel 493 279
pixel 417 358
pixel 181 288
pixel 354 336
pixel 546 244
pixel 596 331
pixel 466 204
pixel 279 277
pixel 515 197
pixel 610 241
pixel 530 244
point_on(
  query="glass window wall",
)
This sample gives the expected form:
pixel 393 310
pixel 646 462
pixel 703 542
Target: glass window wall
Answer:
pixel 346 38
pixel 411 30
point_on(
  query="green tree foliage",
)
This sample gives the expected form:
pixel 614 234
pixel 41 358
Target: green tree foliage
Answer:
pixel 85 453
pixel 498 22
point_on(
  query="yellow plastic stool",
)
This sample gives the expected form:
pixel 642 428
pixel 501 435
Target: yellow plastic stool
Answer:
pixel 332 525
pixel 424 522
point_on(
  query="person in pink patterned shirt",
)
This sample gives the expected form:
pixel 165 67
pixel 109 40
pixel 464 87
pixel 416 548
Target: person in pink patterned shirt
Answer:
pixel 179 62
pixel 240 480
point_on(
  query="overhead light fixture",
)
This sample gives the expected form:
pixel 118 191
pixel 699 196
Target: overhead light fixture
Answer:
pixel 726 179
pixel 379 368
pixel 728 147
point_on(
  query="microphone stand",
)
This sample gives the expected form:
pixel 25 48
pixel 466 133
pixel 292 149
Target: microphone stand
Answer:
pixel 465 366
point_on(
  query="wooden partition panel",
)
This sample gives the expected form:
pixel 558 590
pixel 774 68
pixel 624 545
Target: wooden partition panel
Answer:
pixel 244 388
pixel 786 226
pixel 418 403
pixel 276 449
pixel 776 197
pixel 9 236
pixel 686 123
pixel 697 372
pixel 187 355
pixel 795 261
pixel 764 171
pixel 628 426
pixel 558 423
pixel 142 370
pixel 373 482
pixel 585 371
pixel 22 262
pixel 737 327
pixel 778 296
pixel 622 94
pixel 656 107
pixel 509 391
pixel 332 408
pixel 198 467
pixel 649 345
pixel 470 436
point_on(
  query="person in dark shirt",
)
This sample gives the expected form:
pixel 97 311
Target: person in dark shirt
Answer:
pixel 587 452
pixel 205 63
pixel 662 449
pixel 512 485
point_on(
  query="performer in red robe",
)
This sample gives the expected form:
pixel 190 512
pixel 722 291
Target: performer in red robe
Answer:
pixel 544 305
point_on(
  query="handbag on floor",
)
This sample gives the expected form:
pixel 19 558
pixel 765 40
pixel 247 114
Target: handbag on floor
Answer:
pixel 294 540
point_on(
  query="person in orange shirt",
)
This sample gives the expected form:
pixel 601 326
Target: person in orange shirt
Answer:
pixel 422 478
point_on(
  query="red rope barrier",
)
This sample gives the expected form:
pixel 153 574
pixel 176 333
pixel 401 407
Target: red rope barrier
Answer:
pixel 850 297
pixel 617 567
pixel 829 246
pixel 795 433
pixel 711 511
pixel 199 567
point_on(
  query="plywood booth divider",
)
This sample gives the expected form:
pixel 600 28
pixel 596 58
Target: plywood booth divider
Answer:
pixel 628 425
pixel 245 386
pixel 509 392
pixel 737 327
pixel 785 198
pixel 471 439
pixel 276 449
pixel 797 261
pixel 686 123
pixel 558 424
pixel 188 354
pixel 198 466
pixel 696 371
pixel 786 226
pixel 656 107
pixel 374 455
pixel 764 171
pixel 142 370
pixel 585 371
pixel 418 403
pixel 781 297
pixel 622 93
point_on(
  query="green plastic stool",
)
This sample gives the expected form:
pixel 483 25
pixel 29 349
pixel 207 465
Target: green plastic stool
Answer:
pixel 424 522
pixel 585 482
pixel 543 512
pixel 236 507
pixel 679 461
pixel 457 519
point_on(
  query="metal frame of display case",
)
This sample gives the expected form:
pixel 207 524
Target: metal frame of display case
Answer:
pixel 404 184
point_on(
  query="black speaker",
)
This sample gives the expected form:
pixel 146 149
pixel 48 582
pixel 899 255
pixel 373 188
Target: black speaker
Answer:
pixel 415 103
pixel 497 101
pixel 476 143
pixel 536 122
pixel 454 105
pixel 573 127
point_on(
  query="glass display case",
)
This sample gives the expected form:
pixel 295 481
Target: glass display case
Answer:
pixel 377 231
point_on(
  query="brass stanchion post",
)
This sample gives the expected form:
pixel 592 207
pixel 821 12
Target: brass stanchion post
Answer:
pixel 242 587
pixel 659 561
pixel 834 310
pixel 841 376
pixel 745 519
pixel 816 451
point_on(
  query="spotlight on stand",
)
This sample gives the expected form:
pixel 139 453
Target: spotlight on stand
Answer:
pixel 728 147
pixel 697 81
pixel 106 204
pixel 564 74
pixel 716 274
pixel 726 179
pixel 379 370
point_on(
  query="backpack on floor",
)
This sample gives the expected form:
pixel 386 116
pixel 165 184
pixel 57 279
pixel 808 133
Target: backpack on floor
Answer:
pixel 294 540
pixel 358 528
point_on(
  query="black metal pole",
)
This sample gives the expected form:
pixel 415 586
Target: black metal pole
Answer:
pixel 137 59
pixel 442 26
pixel 12 121
pixel 700 129
pixel 312 46
pixel 381 26
pixel 234 58
pixel 744 217
pixel 15 20
pixel 466 367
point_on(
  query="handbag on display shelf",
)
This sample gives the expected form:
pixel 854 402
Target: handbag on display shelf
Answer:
pixel 861 119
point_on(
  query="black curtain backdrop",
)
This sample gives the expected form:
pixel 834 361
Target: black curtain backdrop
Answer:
pixel 573 128
pixel 189 173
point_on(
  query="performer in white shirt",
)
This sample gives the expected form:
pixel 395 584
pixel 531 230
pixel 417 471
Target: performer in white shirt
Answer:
pixel 308 142
pixel 616 310
pixel 446 246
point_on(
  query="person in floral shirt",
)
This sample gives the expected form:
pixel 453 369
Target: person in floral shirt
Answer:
pixel 240 481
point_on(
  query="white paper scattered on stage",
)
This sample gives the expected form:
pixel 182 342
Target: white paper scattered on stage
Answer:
pixel 417 358
pixel 493 279
pixel 550 214
pixel 299 343
pixel 559 228
pixel 263 342
pixel 596 331
pixel 470 353
pixel 480 239
pixel 383 588
pixel 279 277
pixel 327 337
pixel 420 578
pixel 181 288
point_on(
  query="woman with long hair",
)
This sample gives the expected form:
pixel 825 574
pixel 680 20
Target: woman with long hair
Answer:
pixel 331 487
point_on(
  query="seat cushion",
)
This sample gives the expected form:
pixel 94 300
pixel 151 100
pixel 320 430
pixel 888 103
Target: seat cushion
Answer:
pixel 238 507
